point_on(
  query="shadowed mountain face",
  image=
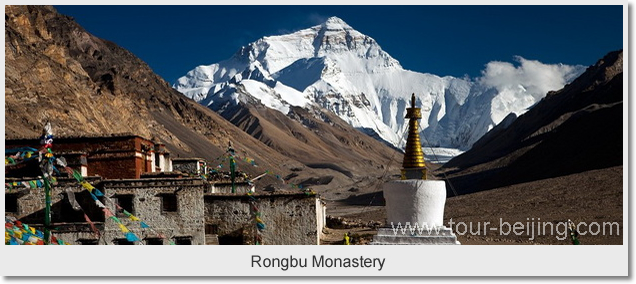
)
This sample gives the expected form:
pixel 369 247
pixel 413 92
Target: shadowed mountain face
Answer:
pixel 322 140
pixel 576 129
pixel 55 70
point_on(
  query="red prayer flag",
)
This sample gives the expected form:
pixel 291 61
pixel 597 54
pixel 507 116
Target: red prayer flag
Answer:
pixel 92 225
pixel 107 213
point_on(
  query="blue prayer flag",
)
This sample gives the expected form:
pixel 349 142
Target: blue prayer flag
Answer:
pixel 131 237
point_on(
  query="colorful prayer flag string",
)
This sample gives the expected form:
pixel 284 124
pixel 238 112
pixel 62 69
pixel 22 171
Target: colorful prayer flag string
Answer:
pixel 18 233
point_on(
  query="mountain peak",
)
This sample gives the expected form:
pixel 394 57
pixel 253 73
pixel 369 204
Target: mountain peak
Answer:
pixel 334 67
pixel 335 23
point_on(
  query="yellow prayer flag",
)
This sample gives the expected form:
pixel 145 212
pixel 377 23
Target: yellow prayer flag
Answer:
pixel 132 217
pixel 88 186
pixel 32 230
pixel 123 228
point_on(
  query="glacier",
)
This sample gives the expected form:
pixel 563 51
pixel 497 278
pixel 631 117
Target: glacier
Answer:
pixel 335 68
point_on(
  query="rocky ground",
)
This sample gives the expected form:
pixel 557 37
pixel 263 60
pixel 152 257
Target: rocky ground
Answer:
pixel 592 197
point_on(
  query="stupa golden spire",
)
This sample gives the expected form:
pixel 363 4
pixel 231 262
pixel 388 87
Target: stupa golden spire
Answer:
pixel 413 166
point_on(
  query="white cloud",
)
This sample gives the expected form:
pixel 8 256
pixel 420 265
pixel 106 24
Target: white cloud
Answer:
pixel 531 76
pixel 317 19
pixel 520 87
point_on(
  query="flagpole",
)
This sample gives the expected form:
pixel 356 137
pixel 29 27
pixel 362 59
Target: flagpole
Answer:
pixel 47 211
pixel 47 172
pixel 232 166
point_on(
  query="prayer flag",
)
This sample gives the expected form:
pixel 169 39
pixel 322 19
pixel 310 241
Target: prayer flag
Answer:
pixel 97 192
pixel 123 228
pixel 131 237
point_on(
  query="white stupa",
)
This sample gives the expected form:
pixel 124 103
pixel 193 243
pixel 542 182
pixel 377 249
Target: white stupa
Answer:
pixel 414 205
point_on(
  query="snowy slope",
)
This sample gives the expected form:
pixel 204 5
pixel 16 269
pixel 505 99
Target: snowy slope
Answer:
pixel 334 67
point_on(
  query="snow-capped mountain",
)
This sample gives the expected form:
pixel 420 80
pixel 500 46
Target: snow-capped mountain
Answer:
pixel 334 67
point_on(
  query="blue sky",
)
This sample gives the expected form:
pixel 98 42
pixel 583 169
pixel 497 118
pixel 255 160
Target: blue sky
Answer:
pixel 442 40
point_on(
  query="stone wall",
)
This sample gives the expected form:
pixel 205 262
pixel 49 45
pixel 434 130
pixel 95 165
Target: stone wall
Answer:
pixel 116 166
pixel 69 224
pixel 291 218
pixel 185 222
pixel 226 187
pixel 194 166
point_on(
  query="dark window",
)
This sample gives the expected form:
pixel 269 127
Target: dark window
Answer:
pixel 63 211
pixel 11 203
pixel 154 241
pixel 211 229
pixel 87 242
pixel 169 203
pixel 122 242
pixel 88 205
pixel 230 240
pixel 183 240
pixel 125 201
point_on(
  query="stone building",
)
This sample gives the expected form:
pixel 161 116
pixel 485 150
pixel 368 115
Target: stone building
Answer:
pixel 291 218
pixel 194 166
pixel 241 187
pixel 135 174
pixel 27 205
pixel 173 208
pixel 124 156
pixel 181 210
pixel 177 210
